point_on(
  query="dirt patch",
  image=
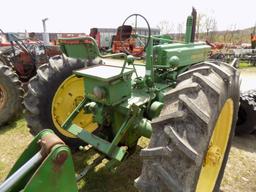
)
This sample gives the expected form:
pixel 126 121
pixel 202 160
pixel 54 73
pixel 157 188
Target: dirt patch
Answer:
pixel 240 173
pixel 248 78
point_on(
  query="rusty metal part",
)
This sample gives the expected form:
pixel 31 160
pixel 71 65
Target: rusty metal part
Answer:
pixel 213 155
pixel 3 97
pixel 47 142
pixel 61 158
pixel 58 160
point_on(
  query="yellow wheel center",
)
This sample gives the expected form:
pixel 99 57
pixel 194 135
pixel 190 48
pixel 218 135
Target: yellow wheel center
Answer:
pixel 67 97
pixel 216 149
pixel 213 156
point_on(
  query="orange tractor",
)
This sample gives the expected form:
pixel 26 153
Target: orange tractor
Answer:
pixel 253 38
pixel 125 42
pixel 18 63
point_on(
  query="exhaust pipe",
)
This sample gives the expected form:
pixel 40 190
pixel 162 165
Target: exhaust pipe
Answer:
pixel 194 16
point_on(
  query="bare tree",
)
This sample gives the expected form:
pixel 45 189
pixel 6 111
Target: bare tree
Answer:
pixel 233 31
pixel 180 28
pixel 165 27
pixel 229 34
pixel 200 18
pixel 225 36
pixel 205 27
pixel 208 25
pixel 214 30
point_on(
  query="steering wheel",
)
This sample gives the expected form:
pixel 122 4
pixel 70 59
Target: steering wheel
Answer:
pixel 134 37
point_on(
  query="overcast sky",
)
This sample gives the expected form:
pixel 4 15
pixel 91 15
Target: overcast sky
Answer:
pixel 81 15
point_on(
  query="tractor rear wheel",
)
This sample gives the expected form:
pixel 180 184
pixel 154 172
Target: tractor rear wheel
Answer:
pixel 52 95
pixel 11 94
pixel 246 123
pixel 191 138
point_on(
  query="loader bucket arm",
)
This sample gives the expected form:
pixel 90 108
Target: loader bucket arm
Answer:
pixel 46 165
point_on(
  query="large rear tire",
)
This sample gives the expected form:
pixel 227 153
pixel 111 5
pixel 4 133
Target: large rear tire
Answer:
pixel 191 138
pixel 246 123
pixel 52 94
pixel 11 94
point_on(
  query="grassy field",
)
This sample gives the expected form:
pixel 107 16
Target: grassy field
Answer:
pixel 13 140
pixel 240 173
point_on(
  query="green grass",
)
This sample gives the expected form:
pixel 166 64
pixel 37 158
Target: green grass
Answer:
pixel 14 138
pixel 239 175
pixel 244 65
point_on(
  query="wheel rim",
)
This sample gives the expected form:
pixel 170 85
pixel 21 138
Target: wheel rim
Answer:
pixel 216 149
pixel 3 97
pixel 68 95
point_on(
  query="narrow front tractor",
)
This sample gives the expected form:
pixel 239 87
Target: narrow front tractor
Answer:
pixel 186 106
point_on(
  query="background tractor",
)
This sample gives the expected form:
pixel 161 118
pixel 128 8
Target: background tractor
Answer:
pixel 125 42
pixel 186 106
pixel 246 123
pixel 253 38
pixel 18 63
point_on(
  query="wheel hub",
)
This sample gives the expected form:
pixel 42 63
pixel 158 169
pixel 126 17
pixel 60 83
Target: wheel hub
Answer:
pixel 77 100
pixel 67 97
pixel 3 97
pixel 213 155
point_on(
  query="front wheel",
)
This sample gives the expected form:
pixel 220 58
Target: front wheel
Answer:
pixel 191 138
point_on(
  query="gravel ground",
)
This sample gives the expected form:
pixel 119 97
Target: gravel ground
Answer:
pixel 240 173
pixel 248 76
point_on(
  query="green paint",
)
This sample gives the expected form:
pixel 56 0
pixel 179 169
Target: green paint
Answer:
pixel 188 34
pixel 110 89
pixel 97 142
pixel 52 176
pixel 119 104
pixel 74 113
pixel 83 48
pixel 48 175
pixel 108 85
pixel 111 95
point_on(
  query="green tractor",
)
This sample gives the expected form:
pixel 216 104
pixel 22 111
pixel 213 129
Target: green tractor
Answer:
pixel 186 106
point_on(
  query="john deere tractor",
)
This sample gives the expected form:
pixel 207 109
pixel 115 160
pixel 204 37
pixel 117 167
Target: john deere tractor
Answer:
pixel 186 106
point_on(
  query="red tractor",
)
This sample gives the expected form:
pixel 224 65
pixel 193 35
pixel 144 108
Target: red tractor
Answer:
pixel 18 63
pixel 253 38
pixel 126 43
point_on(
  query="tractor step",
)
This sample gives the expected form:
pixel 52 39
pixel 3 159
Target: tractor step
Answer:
pixel 102 145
